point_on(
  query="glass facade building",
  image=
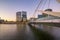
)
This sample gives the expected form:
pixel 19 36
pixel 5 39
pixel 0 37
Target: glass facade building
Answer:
pixel 24 15
pixel 18 16
pixel 40 16
pixel 21 16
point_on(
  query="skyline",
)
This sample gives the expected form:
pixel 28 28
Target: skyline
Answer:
pixel 8 8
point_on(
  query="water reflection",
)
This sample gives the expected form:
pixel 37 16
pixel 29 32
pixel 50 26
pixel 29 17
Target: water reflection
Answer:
pixel 21 31
pixel 15 32
pixel 24 32
pixel 7 31
pixel 21 27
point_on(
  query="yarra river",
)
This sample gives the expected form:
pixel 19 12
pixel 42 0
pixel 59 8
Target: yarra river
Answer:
pixel 17 32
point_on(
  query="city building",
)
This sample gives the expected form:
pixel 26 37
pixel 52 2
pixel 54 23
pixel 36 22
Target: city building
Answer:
pixel 44 15
pixel 1 20
pixel 21 16
pixel 47 16
pixel 51 16
pixel 40 16
pixel 24 15
pixel 18 16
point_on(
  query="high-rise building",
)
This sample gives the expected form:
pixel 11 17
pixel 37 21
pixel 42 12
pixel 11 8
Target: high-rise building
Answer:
pixel 24 15
pixel 21 16
pixel 18 16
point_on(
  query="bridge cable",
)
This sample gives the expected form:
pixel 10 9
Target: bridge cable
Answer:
pixel 42 7
pixel 37 8
pixel 48 4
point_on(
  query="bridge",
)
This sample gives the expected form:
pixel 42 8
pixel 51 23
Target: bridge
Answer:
pixel 50 21
pixel 49 17
pixel 53 18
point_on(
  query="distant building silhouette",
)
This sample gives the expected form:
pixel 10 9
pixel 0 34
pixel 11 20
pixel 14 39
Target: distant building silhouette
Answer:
pixel 18 16
pixel 40 16
pixel 1 20
pixel 24 15
pixel 21 16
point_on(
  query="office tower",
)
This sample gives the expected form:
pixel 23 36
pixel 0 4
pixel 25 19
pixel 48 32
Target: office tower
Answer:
pixel 18 16
pixel 24 15
pixel 21 16
pixel 40 16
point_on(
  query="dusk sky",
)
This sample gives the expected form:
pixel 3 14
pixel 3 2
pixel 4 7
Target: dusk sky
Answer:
pixel 8 8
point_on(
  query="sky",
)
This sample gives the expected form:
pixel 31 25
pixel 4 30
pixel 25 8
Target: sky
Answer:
pixel 8 8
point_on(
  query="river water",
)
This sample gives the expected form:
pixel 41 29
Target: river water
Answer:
pixel 15 32
pixel 24 32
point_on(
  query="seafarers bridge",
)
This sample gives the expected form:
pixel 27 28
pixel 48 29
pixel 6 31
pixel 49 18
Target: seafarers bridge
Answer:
pixel 52 18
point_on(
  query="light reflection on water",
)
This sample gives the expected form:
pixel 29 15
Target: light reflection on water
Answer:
pixel 7 31
pixel 15 32
pixel 23 31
